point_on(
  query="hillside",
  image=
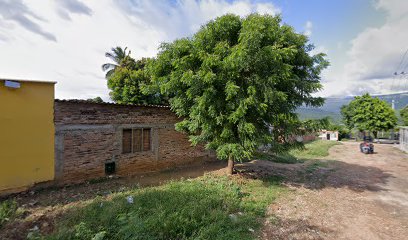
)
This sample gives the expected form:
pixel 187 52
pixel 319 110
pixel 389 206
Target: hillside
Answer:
pixel 331 107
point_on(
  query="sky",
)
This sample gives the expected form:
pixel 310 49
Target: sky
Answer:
pixel 66 40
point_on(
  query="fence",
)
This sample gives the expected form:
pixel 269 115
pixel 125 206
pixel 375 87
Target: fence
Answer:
pixel 388 135
pixel 404 138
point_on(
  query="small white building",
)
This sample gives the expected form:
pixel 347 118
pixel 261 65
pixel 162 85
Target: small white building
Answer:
pixel 329 135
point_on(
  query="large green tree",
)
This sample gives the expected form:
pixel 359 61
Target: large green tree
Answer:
pixel 404 115
pixel 369 113
pixel 237 80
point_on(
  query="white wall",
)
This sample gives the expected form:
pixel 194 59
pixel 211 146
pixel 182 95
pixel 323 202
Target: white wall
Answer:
pixel 404 138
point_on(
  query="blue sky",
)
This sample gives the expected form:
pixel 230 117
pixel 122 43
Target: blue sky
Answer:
pixel 65 40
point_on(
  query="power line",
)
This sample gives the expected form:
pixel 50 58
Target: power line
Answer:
pixel 406 82
pixel 398 77
pixel 402 60
pixel 399 81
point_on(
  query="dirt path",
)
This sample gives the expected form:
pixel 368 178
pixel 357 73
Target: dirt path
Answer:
pixel 348 195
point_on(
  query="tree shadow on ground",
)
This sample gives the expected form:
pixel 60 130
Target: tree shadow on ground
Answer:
pixel 282 229
pixel 319 174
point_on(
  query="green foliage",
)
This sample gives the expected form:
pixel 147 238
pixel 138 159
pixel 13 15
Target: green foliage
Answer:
pixel 312 150
pixel 315 165
pixel 8 210
pixel 117 55
pixel 315 149
pixel 404 115
pixel 206 208
pixel 95 100
pixel 315 125
pixel 236 79
pixel 347 114
pixel 284 157
pixel 368 113
pixel 126 81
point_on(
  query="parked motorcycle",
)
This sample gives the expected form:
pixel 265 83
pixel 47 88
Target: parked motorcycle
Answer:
pixel 367 146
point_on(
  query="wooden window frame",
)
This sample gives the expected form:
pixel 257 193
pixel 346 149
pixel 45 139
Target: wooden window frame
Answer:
pixel 141 140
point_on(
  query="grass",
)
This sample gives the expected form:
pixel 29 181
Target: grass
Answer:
pixel 315 149
pixel 315 165
pixel 280 158
pixel 312 150
pixel 8 210
pixel 210 207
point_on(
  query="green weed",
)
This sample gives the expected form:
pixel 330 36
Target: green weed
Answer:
pixel 314 149
pixel 205 208
pixel 8 210
pixel 315 165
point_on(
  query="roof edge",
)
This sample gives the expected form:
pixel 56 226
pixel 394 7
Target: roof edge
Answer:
pixel 27 80
pixel 109 103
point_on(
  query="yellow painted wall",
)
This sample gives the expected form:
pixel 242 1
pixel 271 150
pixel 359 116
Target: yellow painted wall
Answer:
pixel 26 134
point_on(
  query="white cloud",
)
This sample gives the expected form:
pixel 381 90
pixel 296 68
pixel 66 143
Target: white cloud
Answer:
pixel 308 28
pixel 396 8
pixel 17 12
pixel 184 17
pixel 375 55
pixel 75 58
pixel 67 7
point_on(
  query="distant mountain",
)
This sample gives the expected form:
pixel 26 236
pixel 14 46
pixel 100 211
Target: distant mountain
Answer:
pixel 331 107
pixel 317 113
pixel 401 99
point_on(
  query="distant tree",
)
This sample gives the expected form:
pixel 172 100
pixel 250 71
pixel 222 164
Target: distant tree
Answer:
pixel 368 113
pixel 315 125
pixel 347 114
pixel 95 100
pixel 236 81
pixel 404 115
pixel 117 55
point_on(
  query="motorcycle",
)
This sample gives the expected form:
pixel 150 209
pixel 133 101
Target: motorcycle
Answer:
pixel 367 146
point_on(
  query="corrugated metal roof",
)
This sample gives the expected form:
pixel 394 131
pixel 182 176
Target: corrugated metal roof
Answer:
pixel 109 103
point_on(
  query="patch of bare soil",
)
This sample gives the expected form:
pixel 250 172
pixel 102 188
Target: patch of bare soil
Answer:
pixel 42 208
pixel 347 195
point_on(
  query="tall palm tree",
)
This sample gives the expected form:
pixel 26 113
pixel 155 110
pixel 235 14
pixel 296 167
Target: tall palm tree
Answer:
pixel 117 54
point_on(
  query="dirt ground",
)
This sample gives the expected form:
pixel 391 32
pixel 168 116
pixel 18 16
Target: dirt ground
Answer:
pixel 348 195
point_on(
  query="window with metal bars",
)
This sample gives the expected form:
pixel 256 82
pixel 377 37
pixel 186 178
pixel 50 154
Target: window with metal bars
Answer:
pixel 136 140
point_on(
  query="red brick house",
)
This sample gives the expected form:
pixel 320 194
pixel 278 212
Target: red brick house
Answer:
pixel 93 140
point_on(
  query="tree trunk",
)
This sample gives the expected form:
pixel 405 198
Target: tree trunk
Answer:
pixel 375 134
pixel 230 168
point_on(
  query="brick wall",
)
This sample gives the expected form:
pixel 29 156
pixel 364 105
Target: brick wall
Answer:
pixel 88 135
